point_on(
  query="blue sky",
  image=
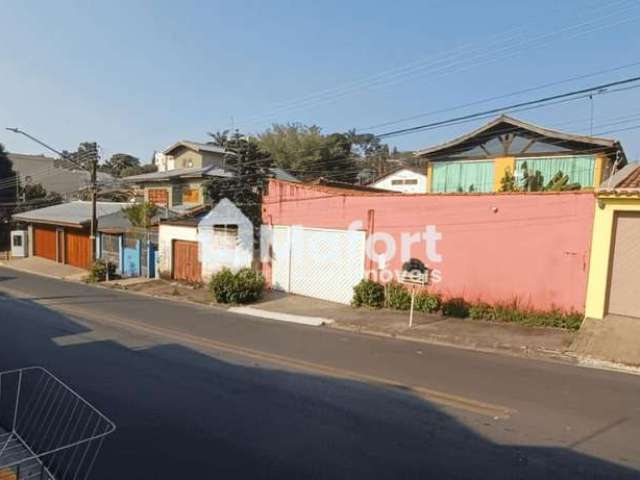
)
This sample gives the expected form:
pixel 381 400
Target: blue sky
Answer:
pixel 137 76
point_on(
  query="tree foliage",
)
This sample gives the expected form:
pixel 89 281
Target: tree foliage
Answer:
pixel 533 181
pixel 251 167
pixel 118 163
pixel 141 214
pixel 308 153
pixel 86 153
pixel 8 189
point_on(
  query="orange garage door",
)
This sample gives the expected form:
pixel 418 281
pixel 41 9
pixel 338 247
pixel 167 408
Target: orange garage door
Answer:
pixel 186 265
pixel 44 242
pixel 77 246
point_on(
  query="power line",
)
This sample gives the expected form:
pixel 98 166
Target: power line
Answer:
pixel 595 89
pixel 500 97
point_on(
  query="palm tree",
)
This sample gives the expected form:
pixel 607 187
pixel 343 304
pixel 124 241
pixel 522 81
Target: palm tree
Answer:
pixel 220 138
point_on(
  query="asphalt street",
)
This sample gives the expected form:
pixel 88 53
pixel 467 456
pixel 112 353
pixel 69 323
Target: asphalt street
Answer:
pixel 197 392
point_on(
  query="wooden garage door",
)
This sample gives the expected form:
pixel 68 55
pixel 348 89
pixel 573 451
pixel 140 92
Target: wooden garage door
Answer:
pixel 186 265
pixel 624 288
pixel 77 248
pixel 44 242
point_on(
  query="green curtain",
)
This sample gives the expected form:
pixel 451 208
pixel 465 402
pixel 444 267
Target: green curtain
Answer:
pixel 580 169
pixel 463 176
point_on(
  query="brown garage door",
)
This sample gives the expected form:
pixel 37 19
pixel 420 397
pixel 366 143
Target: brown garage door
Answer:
pixel 624 288
pixel 44 242
pixel 186 265
pixel 77 246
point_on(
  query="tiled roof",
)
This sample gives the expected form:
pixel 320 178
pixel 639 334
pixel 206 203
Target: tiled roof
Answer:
pixel 632 180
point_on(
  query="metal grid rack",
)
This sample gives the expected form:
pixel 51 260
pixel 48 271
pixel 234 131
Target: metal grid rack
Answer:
pixel 47 430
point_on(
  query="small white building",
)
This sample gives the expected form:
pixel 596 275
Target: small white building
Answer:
pixel 225 235
pixel 192 249
pixel 404 180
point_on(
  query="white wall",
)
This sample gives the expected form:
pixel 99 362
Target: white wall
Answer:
pixel 214 259
pixel 166 235
pixel 386 183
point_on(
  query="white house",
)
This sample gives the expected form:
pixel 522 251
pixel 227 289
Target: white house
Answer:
pixel 225 236
pixel 404 180
pixel 192 249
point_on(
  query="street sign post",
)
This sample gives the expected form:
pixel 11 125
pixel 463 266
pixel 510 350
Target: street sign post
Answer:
pixel 415 274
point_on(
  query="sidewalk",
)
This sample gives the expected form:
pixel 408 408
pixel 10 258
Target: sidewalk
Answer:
pixel 47 268
pixel 471 334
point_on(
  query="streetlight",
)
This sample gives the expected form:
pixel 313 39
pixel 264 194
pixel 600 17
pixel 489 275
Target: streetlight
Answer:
pixel 94 181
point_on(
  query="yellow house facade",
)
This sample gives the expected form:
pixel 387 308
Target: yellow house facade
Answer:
pixel 614 269
pixel 478 161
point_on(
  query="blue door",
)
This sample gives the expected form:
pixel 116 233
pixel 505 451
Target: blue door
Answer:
pixel 131 260
pixel 153 254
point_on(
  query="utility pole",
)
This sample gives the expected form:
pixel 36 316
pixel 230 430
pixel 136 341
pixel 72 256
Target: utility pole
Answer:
pixel 92 168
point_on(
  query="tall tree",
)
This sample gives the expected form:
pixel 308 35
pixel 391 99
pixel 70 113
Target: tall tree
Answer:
pixel 220 138
pixel 250 165
pixel 120 163
pixel 8 185
pixel 308 153
pixel 81 158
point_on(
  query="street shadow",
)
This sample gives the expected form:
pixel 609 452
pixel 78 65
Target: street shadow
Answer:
pixel 182 413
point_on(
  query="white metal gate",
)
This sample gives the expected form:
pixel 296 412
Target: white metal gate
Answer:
pixel 321 263
pixel 281 250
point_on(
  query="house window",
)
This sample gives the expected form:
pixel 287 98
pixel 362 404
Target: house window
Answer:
pixel 190 195
pixel 158 196
pixel 580 169
pixel 225 237
pixel 462 176
pixel 17 241
pixel 407 181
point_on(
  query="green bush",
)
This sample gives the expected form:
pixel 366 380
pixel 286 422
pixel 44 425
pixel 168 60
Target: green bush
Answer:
pixel 98 271
pixel 427 302
pixel 455 307
pixel 368 293
pixel 244 286
pixel 513 313
pixel 398 297
pixel 482 311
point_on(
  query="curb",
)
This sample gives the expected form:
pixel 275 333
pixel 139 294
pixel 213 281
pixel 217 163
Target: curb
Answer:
pixel 283 317
pixel 521 352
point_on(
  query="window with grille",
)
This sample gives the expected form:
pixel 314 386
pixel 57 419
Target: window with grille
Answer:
pixel 225 236
pixel 158 196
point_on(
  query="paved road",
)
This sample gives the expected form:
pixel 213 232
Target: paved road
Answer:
pixel 200 393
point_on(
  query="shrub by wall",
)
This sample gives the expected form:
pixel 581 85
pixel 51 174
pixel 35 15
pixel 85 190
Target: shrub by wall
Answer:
pixel 398 297
pixel 511 312
pixel 98 271
pixel 455 307
pixel 427 302
pixel 244 286
pixel 368 293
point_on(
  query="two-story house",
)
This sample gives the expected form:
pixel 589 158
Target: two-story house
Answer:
pixel 479 160
pixel 183 171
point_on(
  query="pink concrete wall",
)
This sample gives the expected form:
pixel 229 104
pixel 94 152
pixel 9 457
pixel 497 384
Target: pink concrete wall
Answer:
pixel 494 247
